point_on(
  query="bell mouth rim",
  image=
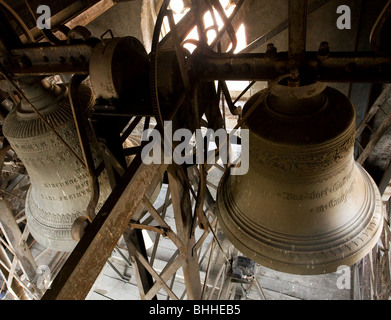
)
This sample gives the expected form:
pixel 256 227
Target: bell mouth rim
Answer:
pixel 288 255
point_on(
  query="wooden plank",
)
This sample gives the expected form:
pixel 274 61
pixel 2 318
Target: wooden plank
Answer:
pixel 312 287
pixel 17 288
pixel 14 237
pixel 375 139
pixel 172 235
pixel 385 180
pixel 116 289
pixel 160 279
pixel 12 272
pixel 373 110
pixel 96 295
pixel 270 295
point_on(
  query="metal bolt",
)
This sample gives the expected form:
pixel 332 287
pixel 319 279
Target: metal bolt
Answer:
pixel 23 62
pixel 283 70
pixel 324 50
pixel 271 51
pixel 45 59
pixel 61 59
pixel 245 68
pixel 294 80
pixel 383 67
pixel 227 67
pixel 212 68
pixel 350 67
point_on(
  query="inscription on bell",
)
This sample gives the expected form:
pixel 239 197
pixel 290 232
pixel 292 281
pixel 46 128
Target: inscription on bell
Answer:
pixel 60 189
pixel 73 181
pixel 335 201
pixel 310 195
pixel 76 195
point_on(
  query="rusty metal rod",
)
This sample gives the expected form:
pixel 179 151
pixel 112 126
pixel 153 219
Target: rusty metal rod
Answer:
pixel 81 128
pixel 297 29
pixel 338 67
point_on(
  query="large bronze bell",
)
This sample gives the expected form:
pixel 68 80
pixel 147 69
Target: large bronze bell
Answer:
pixel 60 189
pixel 305 206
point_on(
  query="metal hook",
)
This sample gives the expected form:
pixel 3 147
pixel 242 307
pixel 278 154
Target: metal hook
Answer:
pixel 103 34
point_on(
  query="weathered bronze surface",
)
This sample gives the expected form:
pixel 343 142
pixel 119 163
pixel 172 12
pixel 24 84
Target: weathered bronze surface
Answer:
pixel 305 206
pixel 60 190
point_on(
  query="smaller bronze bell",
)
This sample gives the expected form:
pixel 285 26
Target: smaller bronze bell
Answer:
pixel 305 206
pixel 60 189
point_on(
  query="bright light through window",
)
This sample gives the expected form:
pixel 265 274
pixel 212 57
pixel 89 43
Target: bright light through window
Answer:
pixel 179 11
pixel 177 7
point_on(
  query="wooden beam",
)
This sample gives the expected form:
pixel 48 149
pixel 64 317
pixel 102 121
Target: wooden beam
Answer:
pixel 180 195
pixel 165 276
pixel 16 288
pixel 79 13
pixel 136 247
pixel 375 139
pixel 14 237
pixel 160 279
pixel 385 94
pixel 297 29
pixel 85 263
